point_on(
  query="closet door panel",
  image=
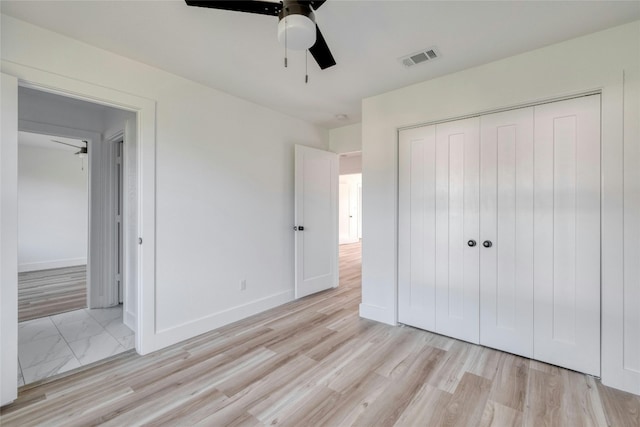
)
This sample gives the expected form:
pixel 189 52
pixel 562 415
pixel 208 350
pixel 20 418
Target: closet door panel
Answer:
pixel 416 238
pixel 506 219
pixel 457 198
pixel 567 234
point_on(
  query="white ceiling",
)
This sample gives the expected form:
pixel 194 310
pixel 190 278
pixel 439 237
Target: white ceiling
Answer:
pixel 47 141
pixel 239 53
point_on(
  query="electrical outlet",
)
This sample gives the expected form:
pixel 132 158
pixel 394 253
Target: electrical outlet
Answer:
pixel 243 285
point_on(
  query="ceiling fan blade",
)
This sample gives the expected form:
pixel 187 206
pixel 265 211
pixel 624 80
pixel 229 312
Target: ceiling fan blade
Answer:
pixel 261 7
pixel 321 53
pixel 315 4
pixel 65 143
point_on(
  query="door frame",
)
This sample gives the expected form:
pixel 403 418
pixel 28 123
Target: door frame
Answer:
pixel 146 339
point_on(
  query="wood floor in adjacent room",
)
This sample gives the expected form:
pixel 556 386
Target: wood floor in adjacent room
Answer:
pixel 47 292
pixel 315 362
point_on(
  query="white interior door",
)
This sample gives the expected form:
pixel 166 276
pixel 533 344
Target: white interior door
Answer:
pixel 348 208
pixel 506 220
pixel 567 234
pixel 344 224
pixel 8 239
pixel 417 227
pixel 457 198
pixel 316 220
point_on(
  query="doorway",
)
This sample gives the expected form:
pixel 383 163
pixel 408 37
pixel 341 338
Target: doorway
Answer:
pixel 350 218
pixel 83 321
pixel 52 222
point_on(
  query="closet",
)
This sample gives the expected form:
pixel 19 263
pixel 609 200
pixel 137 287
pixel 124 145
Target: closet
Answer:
pixel 499 231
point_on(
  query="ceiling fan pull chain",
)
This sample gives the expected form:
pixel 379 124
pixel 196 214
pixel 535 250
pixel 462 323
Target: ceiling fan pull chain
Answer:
pixel 285 42
pixel 306 66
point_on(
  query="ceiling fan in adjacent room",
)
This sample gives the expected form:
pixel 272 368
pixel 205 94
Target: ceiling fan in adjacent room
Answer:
pixel 297 28
pixel 82 153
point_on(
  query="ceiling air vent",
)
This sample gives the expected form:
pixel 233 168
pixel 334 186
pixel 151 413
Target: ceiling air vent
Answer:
pixel 419 57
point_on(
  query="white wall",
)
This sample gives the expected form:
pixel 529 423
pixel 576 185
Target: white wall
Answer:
pixel 554 71
pixel 224 184
pixel 52 208
pixel 346 139
pixel 350 164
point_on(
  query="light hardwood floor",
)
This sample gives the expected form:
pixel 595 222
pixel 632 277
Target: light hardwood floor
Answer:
pixel 46 292
pixel 315 362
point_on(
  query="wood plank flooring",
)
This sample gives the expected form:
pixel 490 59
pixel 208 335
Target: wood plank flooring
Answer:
pixel 46 292
pixel 314 362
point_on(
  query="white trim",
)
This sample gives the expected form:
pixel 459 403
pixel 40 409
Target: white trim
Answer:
pixel 169 336
pixel 379 314
pixel 47 265
pixel 8 239
pixel 145 109
pixel 506 108
pixel 116 137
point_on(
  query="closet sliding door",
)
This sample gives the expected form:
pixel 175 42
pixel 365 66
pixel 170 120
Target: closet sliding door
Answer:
pixel 506 223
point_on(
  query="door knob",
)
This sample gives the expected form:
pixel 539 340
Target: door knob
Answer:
pixel 487 243
pixel 471 243
pixel 298 228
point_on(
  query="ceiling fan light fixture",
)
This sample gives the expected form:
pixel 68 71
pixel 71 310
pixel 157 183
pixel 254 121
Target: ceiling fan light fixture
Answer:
pixel 82 153
pixel 299 30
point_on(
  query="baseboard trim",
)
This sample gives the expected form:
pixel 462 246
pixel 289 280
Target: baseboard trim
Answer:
pixel 47 265
pixel 169 336
pixel 379 314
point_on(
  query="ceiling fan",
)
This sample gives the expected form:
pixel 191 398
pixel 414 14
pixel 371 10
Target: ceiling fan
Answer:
pixel 297 28
pixel 83 150
pixel 81 154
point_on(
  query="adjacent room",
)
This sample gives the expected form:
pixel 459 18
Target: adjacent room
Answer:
pixel 71 286
pixel 374 213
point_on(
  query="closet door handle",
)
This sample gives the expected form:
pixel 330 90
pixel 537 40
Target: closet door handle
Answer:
pixel 487 243
pixel 471 243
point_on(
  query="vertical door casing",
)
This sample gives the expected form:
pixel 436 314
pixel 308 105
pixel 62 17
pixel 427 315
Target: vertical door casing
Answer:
pixel 130 232
pixel 8 239
pixel 316 209
pixel 506 219
pixel 417 227
pixel 119 221
pixel 457 222
pixel 567 234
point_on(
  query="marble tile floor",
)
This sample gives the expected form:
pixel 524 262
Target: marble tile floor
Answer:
pixel 51 345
